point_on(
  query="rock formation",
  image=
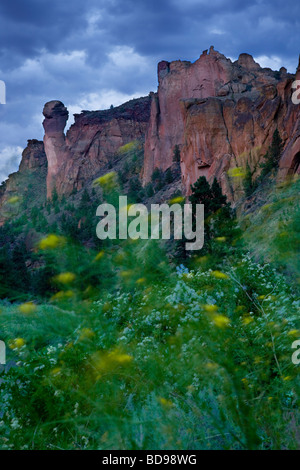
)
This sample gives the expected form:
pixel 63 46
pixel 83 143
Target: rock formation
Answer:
pixel 221 115
pixel 28 182
pixel 90 142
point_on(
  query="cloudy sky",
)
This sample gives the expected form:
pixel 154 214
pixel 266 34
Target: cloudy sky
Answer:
pixel 94 53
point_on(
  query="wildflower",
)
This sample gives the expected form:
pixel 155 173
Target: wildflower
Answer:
pixel 17 343
pixel 165 403
pixel 211 366
pixel 15 423
pixel 141 280
pixel 108 181
pixel 13 200
pixel 177 200
pixel 63 295
pixel 126 274
pixel 210 308
pixel 51 242
pixel 237 172
pixel 293 333
pixel 219 275
pixel 86 333
pixel 27 308
pixel 221 321
pixel 128 147
pixel 120 358
pixel 65 278
pixel 247 319
pixel 220 239
pixel 108 361
pixel 99 256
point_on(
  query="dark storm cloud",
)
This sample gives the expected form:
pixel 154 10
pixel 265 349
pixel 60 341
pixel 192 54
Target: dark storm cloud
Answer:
pixel 94 53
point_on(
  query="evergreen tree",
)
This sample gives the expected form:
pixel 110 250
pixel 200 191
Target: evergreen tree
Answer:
pixel 219 218
pixel 168 176
pixel 272 156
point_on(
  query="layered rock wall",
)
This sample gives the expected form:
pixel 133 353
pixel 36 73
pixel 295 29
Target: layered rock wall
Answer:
pixel 221 115
pixel 90 142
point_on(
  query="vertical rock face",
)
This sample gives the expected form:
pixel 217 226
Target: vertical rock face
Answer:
pixel 29 181
pixel 222 115
pixel 56 116
pixel 90 142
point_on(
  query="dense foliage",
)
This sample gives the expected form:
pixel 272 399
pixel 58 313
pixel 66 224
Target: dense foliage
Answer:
pixel 119 345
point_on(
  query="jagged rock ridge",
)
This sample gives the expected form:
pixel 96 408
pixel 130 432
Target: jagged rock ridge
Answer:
pixel 221 114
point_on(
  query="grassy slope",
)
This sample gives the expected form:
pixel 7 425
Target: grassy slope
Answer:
pixel 198 360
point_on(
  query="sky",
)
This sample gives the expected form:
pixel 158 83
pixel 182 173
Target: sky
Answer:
pixel 93 53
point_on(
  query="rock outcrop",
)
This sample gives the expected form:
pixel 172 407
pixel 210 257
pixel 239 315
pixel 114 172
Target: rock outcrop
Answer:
pixel 221 114
pixel 90 142
pixel 28 184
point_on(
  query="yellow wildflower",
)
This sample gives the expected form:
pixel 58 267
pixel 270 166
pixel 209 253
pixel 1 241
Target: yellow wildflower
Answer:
pixel 221 321
pixel 65 278
pixel 247 319
pixel 27 308
pixel 220 239
pixel 177 200
pixel 128 147
pixel 99 256
pixel 63 295
pixel 165 403
pixel 107 181
pixel 141 280
pixel 17 343
pixel 219 275
pixel 293 333
pixel 86 333
pixel 126 274
pixel 237 172
pixel 211 365
pixel 13 200
pixel 51 242
pixel 210 308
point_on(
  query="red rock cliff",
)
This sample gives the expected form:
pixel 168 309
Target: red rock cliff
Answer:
pixel 29 182
pixel 221 114
pixel 91 141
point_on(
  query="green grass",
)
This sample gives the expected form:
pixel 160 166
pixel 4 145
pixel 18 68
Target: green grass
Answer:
pixel 201 361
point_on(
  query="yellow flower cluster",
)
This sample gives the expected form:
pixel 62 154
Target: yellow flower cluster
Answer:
pixel 237 172
pixel 27 308
pixel 65 278
pixel 51 242
pixel 108 181
pixel 17 343
pixel 107 362
pixel 219 275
